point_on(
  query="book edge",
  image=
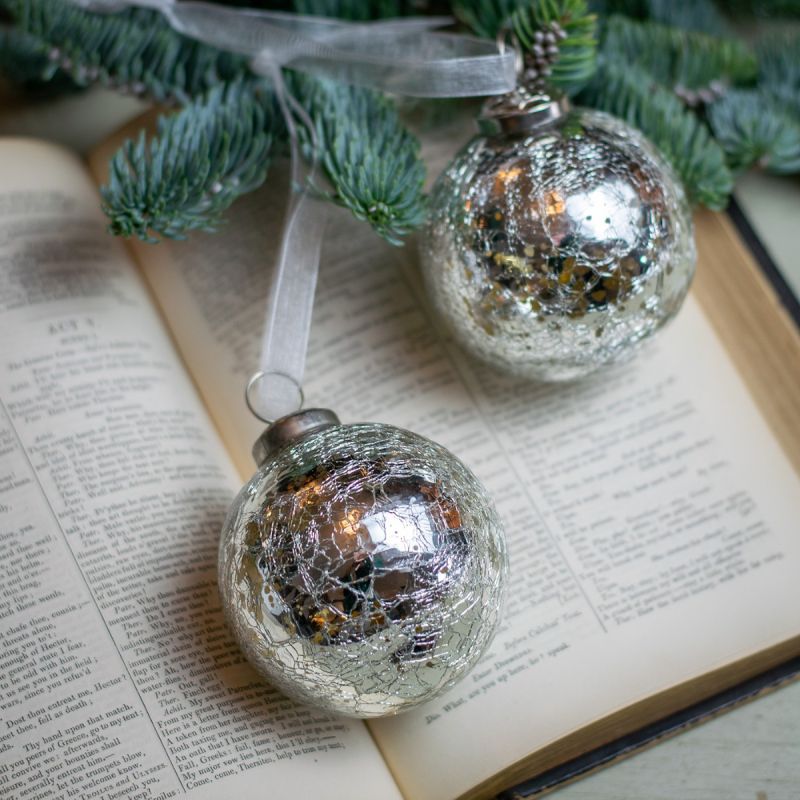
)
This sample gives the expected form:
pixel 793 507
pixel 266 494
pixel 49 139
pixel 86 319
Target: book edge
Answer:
pixel 649 735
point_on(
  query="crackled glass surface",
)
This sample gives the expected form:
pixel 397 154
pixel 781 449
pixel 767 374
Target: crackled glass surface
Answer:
pixel 552 253
pixel 362 569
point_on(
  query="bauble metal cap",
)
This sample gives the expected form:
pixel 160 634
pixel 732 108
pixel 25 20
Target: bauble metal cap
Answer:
pixel 521 111
pixel 289 429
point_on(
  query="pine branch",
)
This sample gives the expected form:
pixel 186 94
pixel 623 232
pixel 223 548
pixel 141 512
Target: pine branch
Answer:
pixel 636 9
pixel 568 61
pixel 371 161
pixel 753 130
pixel 131 50
pixel 200 161
pixel 764 8
pixel 683 60
pixel 21 60
pixel 557 37
pixel 703 16
pixel 22 63
pixel 779 71
pixel 271 5
pixel 352 9
pixel 630 93
pixel 485 17
pixel 692 15
pixel 216 149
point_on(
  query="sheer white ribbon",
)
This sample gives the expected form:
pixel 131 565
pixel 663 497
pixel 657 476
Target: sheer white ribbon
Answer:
pixel 401 56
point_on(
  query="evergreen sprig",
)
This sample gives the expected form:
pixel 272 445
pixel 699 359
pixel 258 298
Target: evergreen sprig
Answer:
pixel 765 8
pixel 692 15
pixel 226 132
pixel 357 10
pixel 753 129
pixel 201 159
pixel 132 50
pixel 21 58
pixel 574 62
pixel 630 93
pixel 219 145
pixel 485 17
pixel 779 70
pixel 371 160
pixel 677 58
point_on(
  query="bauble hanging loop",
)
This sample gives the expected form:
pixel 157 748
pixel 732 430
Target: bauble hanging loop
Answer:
pixel 362 568
pixel 558 239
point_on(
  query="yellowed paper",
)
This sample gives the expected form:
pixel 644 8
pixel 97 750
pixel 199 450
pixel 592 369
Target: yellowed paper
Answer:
pixel 119 677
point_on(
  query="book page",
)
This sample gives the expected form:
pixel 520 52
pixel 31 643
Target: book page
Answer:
pixel 118 677
pixel 650 514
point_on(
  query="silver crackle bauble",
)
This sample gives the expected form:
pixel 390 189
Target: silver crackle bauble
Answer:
pixel 362 567
pixel 558 239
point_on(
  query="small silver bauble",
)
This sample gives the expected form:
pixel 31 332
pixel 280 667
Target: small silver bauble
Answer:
pixel 362 567
pixel 558 239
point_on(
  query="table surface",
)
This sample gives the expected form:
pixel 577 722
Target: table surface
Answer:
pixel 750 753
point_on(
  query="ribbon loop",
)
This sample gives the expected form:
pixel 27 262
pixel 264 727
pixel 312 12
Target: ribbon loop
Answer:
pixel 403 56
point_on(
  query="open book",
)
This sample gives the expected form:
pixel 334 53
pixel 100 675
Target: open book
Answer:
pixel 652 515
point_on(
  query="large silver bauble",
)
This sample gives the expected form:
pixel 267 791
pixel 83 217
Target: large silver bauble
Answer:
pixel 558 241
pixel 362 568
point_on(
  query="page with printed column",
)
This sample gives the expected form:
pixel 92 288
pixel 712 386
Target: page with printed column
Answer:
pixel 651 516
pixel 118 678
